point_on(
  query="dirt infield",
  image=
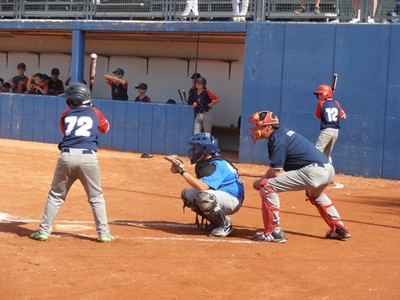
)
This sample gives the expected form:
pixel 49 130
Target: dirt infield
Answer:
pixel 159 253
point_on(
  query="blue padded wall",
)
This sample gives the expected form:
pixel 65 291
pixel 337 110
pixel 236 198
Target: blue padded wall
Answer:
pixel 391 144
pixel 137 127
pixel 285 63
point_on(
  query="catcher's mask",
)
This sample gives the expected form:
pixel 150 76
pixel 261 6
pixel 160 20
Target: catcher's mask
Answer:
pixel 325 91
pixel 202 144
pixel 260 119
pixel 77 94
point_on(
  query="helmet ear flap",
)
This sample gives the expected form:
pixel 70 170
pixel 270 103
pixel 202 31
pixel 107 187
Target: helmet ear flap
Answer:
pixel 325 90
pixel 77 94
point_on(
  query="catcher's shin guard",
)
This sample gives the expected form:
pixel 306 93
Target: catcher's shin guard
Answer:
pixel 193 206
pixel 207 204
pixel 267 210
pixel 338 229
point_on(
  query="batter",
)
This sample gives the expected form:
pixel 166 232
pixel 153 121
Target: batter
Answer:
pixel 80 124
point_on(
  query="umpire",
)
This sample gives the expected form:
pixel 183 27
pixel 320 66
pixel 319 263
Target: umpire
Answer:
pixel 306 168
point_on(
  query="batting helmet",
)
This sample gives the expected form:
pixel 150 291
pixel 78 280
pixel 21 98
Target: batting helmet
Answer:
pixel 203 144
pixel 260 119
pixel 325 90
pixel 77 94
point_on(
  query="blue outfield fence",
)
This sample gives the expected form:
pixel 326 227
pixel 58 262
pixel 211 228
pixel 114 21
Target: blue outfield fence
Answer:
pixel 137 127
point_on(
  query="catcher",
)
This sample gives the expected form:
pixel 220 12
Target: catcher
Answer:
pixel 217 190
pixel 119 86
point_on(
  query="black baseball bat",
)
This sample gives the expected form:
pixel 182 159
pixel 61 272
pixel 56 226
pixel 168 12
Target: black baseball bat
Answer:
pixel 334 81
pixel 180 95
pixel 184 96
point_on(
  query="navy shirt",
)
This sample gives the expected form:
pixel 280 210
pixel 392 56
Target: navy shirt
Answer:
pixel 204 98
pixel 119 91
pixel 81 127
pixel 329 111
pixel 289 151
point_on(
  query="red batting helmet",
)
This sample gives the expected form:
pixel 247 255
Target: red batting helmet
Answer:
pixel 260 119
pixel 325 90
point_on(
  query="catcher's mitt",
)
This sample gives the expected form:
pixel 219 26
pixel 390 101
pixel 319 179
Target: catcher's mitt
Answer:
pixel 177 164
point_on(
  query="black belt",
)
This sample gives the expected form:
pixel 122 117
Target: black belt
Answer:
pixel 200 111
pixel 84 151
pixel 321 165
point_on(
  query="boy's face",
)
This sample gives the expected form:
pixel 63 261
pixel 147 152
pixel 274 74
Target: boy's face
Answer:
pixel 21 71
pixel 1 84
pixel 141 91
pixel 38 80
pixel 199 86
pixel 54 77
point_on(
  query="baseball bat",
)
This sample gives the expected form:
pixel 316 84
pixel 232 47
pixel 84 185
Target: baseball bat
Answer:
pixel 184 96
pixel 92 70
pixel 180 95
pixel 334 81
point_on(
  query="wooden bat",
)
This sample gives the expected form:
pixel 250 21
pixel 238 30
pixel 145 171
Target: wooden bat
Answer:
pixel 92 70
pixel 334 81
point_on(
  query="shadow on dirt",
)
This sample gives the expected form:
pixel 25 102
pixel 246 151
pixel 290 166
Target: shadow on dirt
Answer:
pixel 17 229
pixel 183 229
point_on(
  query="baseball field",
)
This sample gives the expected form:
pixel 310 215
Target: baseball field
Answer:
pixel 159 253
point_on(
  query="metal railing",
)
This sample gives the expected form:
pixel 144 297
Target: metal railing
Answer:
pixel 168 10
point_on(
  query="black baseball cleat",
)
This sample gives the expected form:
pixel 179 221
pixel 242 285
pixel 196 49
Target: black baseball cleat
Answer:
pixel 274 237
pixel 221 232
pixel 338 234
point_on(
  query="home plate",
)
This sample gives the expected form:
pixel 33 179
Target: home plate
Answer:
pixel 338 186
pixel 73 227
pixel 4 217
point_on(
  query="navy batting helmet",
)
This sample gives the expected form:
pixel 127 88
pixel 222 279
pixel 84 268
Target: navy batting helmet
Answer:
pixel 77 94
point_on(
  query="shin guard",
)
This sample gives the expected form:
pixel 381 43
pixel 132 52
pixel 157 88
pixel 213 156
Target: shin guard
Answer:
pixel 267 210
pixel 323 211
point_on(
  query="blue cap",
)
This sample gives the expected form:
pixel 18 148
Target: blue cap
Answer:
pixel 142 86
pixel 202 80
pixel 119 71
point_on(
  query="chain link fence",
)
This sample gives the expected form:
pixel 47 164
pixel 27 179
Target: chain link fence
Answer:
pixel 165 66
pixel 381 11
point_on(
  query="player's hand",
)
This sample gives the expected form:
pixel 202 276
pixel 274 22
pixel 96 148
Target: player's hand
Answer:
pixel 256 184
pixel 177 165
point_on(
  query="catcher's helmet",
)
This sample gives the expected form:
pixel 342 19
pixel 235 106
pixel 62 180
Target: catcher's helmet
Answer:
pixel 260 119
pixel 203 144
pixel 325 90
pixel 77 94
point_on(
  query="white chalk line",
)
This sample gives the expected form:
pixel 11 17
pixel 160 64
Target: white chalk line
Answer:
pixel 6 219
